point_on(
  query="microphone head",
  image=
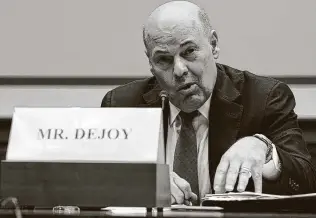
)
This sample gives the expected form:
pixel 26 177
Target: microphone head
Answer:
pixel 163 94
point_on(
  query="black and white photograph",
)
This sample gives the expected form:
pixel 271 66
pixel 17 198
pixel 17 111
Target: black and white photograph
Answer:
pixel 157 108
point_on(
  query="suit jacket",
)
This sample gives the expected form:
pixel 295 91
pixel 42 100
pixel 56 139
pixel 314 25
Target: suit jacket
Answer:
pixel 242 104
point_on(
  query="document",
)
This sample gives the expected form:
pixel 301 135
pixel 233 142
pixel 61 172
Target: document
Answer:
pixel 246 196
pixel 250 201
pixel 142 210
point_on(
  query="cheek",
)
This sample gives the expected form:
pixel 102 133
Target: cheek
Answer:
pixel 164 78
pixel 208 59
pixel 200 66
pixel 203 69
pixel 197 68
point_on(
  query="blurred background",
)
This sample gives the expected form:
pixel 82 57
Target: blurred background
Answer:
pixel 57 53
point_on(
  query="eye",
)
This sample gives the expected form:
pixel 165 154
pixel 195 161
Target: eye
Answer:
pixel 164 60
pixel 189 51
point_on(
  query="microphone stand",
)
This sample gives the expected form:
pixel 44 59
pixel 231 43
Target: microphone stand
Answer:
pixel 164 100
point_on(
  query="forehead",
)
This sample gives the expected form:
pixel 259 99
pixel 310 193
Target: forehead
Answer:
pixel 174 36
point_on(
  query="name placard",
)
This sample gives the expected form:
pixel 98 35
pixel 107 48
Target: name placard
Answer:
pixel 86 134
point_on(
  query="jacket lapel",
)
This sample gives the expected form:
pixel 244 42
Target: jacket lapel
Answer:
pixel 225 117
pixel 151 98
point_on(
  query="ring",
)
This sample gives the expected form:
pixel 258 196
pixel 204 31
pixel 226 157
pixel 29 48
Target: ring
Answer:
pixel 245 170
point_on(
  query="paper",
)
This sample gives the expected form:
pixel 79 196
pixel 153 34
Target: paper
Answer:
pixel 242 196
pixel 256 202
pixel 143 211
pixel 195 208
pixel 130 210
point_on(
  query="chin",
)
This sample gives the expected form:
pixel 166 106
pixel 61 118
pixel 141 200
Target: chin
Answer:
pixel 193 102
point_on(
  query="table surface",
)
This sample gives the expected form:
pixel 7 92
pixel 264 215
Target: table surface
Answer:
pixel 167 213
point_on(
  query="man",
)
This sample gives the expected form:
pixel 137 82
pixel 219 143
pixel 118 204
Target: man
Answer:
pixel 224 126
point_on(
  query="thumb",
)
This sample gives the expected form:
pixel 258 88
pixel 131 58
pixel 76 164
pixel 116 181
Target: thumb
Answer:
pixel 193 196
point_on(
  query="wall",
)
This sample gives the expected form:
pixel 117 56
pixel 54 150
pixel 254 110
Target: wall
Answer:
pixel 58 53
pixel 102 39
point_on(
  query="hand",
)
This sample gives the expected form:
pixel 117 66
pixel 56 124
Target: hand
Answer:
pixel 245 158
pixel 181 190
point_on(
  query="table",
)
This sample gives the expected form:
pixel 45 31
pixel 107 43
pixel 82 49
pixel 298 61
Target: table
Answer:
pixel 167 214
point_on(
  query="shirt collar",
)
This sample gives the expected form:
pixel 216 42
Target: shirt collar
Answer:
pixel 204 110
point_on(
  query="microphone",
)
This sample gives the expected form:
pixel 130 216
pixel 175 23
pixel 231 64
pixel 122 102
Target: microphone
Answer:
pixel 163 95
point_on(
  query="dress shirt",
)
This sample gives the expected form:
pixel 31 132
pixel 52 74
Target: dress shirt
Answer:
pixel 201 127
pixel 271 170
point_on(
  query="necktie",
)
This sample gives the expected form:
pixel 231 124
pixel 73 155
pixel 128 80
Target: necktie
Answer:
pixel 185 157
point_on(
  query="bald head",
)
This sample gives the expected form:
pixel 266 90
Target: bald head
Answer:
pixel 182 47
pixel 175 14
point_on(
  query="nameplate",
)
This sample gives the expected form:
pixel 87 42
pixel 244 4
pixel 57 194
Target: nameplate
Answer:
pixel 86 134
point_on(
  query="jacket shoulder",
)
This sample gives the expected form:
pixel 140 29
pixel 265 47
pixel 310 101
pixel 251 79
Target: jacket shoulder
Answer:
pixel 127 95
pixel 246 81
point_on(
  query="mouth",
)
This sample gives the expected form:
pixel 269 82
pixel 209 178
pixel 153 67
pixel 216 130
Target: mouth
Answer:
pixel 185 86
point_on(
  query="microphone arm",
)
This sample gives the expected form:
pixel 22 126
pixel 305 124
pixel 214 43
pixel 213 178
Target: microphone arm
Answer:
pixel 164 97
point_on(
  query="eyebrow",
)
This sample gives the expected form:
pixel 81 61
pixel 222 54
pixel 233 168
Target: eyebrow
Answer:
pixel 165 51
pixel 186 42
pixel 159 51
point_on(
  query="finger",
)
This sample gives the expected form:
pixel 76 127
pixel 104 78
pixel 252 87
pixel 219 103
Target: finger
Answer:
pixel 244 176
pixel 232 175
pixel 257 178
pixel 184 186
pixel 176 193
pixel 193 196
pixel 173 200
pixel 187 202
pixel 220 175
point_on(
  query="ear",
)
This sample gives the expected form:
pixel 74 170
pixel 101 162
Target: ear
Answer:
pixel 214 44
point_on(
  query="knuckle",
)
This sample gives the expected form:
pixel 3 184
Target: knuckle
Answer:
pixel 225 158
pixel 221 171
pixel 233 172
pixel 229 181
pixel 187 188
pixel 257 159
pixel 257 175
pixel 242 176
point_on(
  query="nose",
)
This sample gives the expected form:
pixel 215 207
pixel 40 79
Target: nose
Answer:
pixel 180 67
